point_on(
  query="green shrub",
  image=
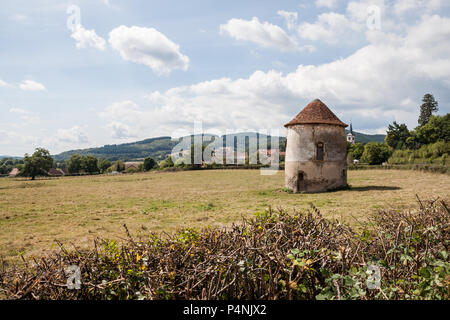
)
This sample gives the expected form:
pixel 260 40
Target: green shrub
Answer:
pixel 149 164
pixel 375 153
pixel 166 163
pixel 444 159
pixel 179 163
pixel 132 170
pixel 401 157
pixel 118 165
pixel 439 148
pixel 272 256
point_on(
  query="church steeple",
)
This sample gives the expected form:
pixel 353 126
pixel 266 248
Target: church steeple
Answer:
pixel 350 135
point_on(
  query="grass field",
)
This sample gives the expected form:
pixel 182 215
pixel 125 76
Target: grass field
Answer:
pixel 77 209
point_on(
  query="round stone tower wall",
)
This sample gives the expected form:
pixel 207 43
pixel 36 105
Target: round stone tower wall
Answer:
pixel 307 145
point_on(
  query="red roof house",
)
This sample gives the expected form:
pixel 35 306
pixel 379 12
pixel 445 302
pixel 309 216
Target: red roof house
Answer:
pixel 14 172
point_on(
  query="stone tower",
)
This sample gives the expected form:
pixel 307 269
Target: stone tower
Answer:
pixel 316 150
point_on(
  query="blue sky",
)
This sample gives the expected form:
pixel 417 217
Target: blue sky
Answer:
pixel 130 70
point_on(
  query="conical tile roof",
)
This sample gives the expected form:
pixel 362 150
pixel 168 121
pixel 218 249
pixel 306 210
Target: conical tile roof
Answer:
pixel 316 112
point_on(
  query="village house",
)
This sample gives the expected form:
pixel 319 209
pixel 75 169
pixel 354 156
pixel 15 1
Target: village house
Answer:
pixel 14 172
pixel 132 164
pixel 55 172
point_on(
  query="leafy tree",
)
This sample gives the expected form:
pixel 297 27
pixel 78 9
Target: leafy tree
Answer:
pixel 436 129
pixel 103 165
pixel 7 164
pixel 61 164
pixel 375 153
pixel 396 136
pixel 39 162
pixel 427 108
pixel 169 162
pixel 166 163
pixel 75 163
pixel 118 165
pixel 357 150
pixel 20 167
pixel 89 164
pixel 149 163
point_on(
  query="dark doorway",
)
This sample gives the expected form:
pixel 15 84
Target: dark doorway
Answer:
pixel 319 153
pixel 301 182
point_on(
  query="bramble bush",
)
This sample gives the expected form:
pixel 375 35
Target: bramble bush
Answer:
pixel 275 255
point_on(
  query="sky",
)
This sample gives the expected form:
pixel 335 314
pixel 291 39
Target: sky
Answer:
pixel 78 74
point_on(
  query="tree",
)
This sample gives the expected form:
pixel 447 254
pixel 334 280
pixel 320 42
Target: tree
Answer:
pixel 103 165
pixel 357 150
pixel 169 162
pixel 61 164
pixel 89 164
pixel 149 163
pixel 375 153
pixel 427 108
pixel 75 163
pixel 396 136
pixel 118 165
pixel 436 129
pixel 39 162
pixel 166 163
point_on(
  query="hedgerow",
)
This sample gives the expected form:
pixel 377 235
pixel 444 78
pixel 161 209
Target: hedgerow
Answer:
pixel 275 255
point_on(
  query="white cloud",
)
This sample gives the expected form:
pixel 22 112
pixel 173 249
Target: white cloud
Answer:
pixel 329 27
pixel 358 10
pixel 372 86
pixel 125 111
pixel 88 38
pixel 349 27
pixel 401 7
pixel 57 141
pixel 264 34
pixel 120 130
pixel 30 85
pixel 71 135
pixel 148 46
pixel 3 83
pixel 26 117
pixel 309 48
pixel 290 18
pixel 326 3
pixel 12 138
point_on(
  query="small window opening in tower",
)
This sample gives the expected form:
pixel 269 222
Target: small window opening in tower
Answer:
pixel 320 153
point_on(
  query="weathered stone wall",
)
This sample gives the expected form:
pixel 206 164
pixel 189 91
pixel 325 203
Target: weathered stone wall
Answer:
pixel 318 175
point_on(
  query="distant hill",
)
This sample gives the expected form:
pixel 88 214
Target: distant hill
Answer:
pixel 158 148
pixel 154 147
pixel 364 138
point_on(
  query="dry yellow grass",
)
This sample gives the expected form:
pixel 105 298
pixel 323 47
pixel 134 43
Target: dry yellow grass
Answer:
pixel 77 209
